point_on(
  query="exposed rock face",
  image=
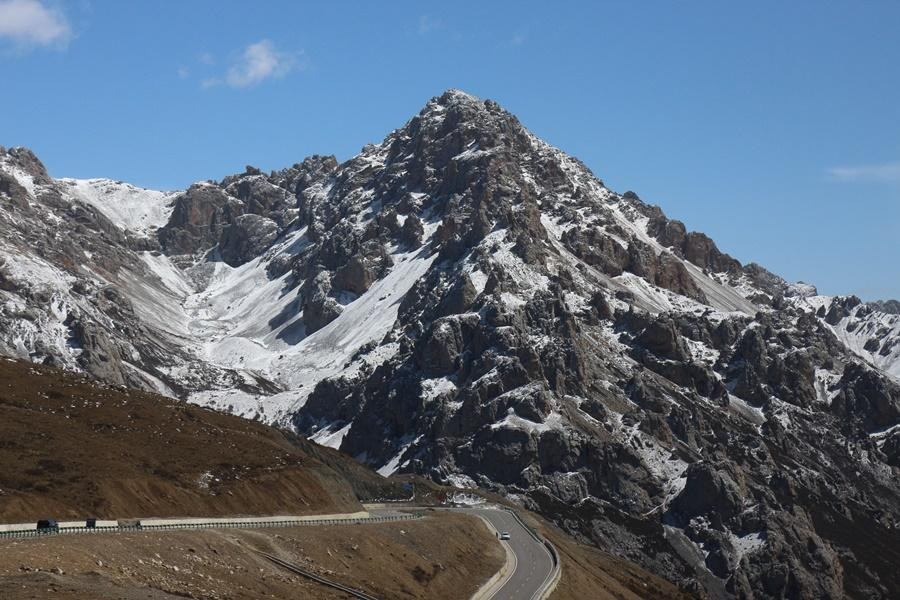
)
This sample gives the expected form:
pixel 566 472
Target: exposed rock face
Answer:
pixel 412 231
pixel 708 490
pixel 249 236
pixel 886 306
pixel 466 302
pixel 201 215
pixel 661 338
pixel 244 214
pixel 604 252
pixel 867 400
pixel 359 273
pixel 319 308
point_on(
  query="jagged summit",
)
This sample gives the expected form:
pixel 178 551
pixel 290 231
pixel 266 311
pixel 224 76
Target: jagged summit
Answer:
pixel 464 301
pixel 454 97
pixel 458 95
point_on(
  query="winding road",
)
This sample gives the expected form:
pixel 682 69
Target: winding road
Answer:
pixel 527 574
pixel 532 567
pixel 534 564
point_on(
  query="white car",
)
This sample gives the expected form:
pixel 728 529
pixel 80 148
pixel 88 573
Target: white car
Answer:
pixel 504 535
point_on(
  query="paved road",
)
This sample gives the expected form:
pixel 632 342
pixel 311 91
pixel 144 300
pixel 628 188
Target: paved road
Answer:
pixel 534 564
pixel 533 561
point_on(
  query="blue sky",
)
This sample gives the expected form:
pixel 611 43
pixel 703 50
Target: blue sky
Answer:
pixel 774 127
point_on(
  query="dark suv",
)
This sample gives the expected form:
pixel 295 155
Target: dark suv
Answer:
pixel 48 525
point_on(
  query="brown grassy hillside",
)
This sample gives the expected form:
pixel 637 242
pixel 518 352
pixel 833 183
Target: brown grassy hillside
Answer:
pixel 73 448
pixel 445 556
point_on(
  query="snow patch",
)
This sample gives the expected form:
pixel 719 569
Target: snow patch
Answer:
pixel 130 208
pixel 749 543
pixel 331 438
pixel 513 421
pixel 393 465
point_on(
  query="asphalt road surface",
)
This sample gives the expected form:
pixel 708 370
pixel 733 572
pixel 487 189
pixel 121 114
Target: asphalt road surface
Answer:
pixel 533 561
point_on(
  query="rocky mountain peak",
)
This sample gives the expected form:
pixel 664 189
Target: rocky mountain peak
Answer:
pixel 461 107
pixel 455 95
pixel 460 122
pixel 466 302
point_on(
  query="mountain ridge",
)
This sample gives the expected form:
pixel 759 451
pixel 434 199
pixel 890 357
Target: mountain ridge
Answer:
pixel 467 302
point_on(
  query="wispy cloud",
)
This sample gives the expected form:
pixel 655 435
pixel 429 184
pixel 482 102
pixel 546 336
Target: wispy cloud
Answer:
pixel 428 24
pixel 183 72
pixel 259 61
pixel 256 63
pixel 518 39
pixel 883 173
pixel 29 23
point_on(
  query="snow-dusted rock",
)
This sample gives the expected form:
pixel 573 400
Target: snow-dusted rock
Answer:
pixel 466 302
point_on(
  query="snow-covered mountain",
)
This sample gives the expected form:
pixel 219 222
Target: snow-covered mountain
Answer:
pixel 467 302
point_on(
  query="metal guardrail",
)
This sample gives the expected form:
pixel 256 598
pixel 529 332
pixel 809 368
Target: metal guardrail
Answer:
pixel 35 533
pixel 303 572
pixel 550 583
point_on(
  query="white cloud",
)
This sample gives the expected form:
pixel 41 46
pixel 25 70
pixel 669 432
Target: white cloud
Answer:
pixel 518 39
pixel 31 23
pixel 884 173
pixel 427 24
pixel 258 62
pixel 183 72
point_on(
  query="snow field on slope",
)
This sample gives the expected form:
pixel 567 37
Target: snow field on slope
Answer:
pixel 871 327
pixel 245 321
pixel 158 300
pixel 553 420
pixel 366 319
pixel 275 408
pixel 876 325
pixel 331 438
pixel 49 327
pixel 394 464
pixel 130 208
pixel 239 318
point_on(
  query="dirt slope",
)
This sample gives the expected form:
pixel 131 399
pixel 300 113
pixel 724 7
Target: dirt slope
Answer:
pixel 73 448
pixel 445 556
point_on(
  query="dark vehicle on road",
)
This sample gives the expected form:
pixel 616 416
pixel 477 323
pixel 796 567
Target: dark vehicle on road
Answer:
pixel 48 525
